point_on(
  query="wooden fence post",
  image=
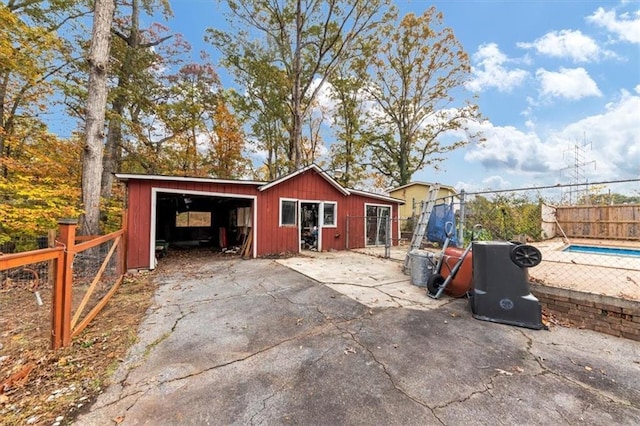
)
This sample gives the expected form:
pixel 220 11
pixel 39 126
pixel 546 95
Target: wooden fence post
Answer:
pixel 62 293
pixel 122 254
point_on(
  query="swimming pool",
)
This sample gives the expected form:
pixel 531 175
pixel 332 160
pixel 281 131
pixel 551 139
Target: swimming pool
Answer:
pixel 611 251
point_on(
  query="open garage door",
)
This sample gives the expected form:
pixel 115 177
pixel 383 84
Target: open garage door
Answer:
pixel 197 221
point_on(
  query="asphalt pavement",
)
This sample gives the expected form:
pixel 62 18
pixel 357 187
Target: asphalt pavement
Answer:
pixel 345 339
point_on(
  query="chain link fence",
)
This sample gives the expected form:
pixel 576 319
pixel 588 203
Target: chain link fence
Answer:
pixel 588 235
pixel 592 247
pixel 381 236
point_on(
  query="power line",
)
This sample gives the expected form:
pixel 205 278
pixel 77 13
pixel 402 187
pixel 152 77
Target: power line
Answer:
pixel 565 185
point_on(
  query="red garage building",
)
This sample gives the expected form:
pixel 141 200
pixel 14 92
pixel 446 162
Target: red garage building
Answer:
pixel 305 209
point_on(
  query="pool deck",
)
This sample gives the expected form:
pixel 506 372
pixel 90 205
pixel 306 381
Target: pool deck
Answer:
pixel 603 274
pixel 617 276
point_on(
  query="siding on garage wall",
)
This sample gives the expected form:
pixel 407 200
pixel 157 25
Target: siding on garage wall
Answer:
pixel 139 203
pixel 270 237
pixel 308 186
pixel 139 221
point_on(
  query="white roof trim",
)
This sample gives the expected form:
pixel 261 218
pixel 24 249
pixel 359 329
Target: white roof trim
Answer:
pixel 262 185
pixel 377 196
pixel 126 177
pixel 317 169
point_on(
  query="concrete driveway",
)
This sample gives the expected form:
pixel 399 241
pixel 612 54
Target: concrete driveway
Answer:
pixel 255 342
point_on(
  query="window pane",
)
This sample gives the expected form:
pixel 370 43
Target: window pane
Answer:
pixel 329 214
pixel 193 219
pixel 288 213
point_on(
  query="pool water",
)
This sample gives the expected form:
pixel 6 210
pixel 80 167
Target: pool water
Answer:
pixel 611 251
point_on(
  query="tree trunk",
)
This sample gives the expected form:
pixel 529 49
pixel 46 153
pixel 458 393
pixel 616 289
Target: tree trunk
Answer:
pixel 113 147
pixel 3 99
pixel 404 174
pixel 296 113
pixel 96 106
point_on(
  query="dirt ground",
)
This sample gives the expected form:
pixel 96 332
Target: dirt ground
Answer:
pixel 39 386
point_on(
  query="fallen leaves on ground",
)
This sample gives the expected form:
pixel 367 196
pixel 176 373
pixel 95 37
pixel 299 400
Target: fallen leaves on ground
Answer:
pixel 40 386
pixel 550 319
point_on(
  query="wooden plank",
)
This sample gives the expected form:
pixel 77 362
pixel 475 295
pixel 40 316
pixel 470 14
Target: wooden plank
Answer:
pixel 97 241
pixel 246 249
pixel 621 222
pixel 96 310
pixel 94 283
pixel 16 260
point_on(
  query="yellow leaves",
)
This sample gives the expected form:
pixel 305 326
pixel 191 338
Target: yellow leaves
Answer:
pixel 42 184
pixel 28 52
pixel 228 145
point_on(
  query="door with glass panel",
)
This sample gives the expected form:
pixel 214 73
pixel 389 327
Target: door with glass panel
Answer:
pixel 376 225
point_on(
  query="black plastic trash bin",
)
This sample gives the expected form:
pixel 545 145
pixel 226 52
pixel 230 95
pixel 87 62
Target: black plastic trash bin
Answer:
pixel 501 284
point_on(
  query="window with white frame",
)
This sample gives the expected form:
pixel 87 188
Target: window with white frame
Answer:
pixel 288 210
pixel 329 214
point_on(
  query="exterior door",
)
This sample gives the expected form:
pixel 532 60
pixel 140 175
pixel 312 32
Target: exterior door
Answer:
pixel 310 226
pixel 377 223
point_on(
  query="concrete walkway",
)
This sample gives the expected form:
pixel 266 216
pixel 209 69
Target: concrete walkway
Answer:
pixel 374 282
pixel 255 342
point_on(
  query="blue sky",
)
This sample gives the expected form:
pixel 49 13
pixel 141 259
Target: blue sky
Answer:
pixel 549 75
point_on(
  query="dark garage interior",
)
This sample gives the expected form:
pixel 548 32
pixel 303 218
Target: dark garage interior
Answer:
pixel 187 221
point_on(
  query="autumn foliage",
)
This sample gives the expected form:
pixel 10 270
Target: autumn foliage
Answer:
pixel 165 112
pixel 40 186
pixel 392 82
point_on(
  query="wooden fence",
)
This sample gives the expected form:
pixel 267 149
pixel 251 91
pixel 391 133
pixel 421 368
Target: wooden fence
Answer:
pixel 619 222
pixel 66 324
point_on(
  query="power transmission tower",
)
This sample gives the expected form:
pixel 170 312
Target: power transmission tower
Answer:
pixel 577 162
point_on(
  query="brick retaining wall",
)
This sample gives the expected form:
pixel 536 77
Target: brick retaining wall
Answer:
pixel 605 314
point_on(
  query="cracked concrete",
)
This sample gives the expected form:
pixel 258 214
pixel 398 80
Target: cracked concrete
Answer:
pixel 254 342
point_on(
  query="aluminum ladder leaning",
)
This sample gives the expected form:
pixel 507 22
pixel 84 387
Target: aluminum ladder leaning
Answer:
pixel 423 220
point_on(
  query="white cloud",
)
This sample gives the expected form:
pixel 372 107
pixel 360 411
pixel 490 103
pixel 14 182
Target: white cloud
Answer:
pixel 494 183
pixel 508 148
pixel 490 71
pixel 567 83
pixel 626 26
pixel 614 137
pixel 324 102
pixel 567 44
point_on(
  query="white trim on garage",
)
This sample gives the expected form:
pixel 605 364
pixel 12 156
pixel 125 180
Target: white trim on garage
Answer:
pixel 154 197
pixel 366 237
pixel 125 177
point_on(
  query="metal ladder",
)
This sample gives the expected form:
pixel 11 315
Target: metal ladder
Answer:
pixel 423 220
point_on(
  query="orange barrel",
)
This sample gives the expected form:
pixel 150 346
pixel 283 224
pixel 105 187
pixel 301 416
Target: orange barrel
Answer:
pixel 462 281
